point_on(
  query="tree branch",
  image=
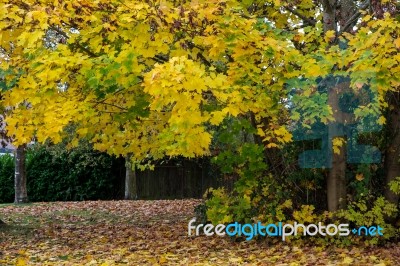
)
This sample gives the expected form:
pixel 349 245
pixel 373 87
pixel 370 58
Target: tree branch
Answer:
pixel 86 50
pixel 355 17
pixel 161 58
pixel 205 61
pixel 309 21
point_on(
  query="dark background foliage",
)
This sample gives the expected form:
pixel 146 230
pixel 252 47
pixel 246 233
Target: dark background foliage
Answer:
pixel 57 174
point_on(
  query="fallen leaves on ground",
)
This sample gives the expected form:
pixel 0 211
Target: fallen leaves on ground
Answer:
pixel 148 233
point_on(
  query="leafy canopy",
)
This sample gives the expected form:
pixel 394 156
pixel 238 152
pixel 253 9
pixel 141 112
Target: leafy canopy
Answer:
pixel 156 77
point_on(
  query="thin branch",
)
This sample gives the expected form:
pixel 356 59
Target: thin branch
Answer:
pixel 309 21
pixel 205 61
pixel 355 17
pixel 160 58
pixel 116 106
pixel 111 112
pixel 96 103
pixel 90 53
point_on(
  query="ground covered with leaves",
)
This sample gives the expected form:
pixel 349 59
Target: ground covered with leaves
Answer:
pixel 149 233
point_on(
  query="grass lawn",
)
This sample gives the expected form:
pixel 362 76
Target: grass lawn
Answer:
pixel 149 233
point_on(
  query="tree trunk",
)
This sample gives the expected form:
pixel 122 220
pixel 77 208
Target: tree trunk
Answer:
pixel 130 180
pixel 336 13
pixel 336 183
pixel 392 154
pixel 329 15
pixel 272 156
pixel 21 194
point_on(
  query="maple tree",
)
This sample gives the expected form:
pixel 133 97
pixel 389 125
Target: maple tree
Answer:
pixel 131 79
pixel 155 78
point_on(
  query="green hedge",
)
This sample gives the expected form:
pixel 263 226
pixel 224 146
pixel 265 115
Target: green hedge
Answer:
pixel 57 174
pixel 6 178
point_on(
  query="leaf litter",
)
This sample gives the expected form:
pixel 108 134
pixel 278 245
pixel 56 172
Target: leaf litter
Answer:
pixel 150 233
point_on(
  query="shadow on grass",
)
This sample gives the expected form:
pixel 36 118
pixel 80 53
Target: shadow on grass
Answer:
pixel 9 231
pixel 19 204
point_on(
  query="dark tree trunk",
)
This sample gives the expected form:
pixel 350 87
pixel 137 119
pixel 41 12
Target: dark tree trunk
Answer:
pixel 21 194
pixel 272 156
pixel 130 180
pixel 392 154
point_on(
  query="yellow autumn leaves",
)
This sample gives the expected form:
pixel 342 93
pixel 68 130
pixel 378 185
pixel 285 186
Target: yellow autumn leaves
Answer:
pixel 154 78
pixel 182 88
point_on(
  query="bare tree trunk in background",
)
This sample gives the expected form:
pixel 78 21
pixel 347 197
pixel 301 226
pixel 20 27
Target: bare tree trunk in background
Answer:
pixel 392 155
pixel 130 180
pixel 21 194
